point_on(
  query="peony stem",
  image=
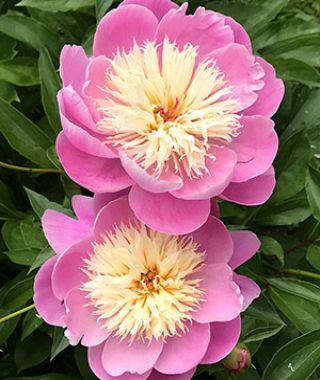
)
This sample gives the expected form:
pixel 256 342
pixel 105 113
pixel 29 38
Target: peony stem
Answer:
pixel 16 313
pixel 32 170
pixel 303 273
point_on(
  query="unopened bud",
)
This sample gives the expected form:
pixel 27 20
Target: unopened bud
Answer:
pixel 238 360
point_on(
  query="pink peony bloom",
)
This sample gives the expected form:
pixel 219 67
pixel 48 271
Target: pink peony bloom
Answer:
pixel 174 106
pixel 148 305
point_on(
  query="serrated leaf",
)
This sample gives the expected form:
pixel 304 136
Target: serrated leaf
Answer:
pixel 57 5
pixel 20 71
pixel 50 85
pixel 296 360
pixel 23 135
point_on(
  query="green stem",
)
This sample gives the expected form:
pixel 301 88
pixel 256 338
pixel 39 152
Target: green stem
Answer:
pixel 30 170
pixel 302 273
pixel 16 313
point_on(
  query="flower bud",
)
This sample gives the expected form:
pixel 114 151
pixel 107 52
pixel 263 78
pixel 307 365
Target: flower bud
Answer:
pixel 238 360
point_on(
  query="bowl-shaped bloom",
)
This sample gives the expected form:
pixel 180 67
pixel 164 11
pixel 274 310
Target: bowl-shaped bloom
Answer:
pixel 146 304
pixel 174 106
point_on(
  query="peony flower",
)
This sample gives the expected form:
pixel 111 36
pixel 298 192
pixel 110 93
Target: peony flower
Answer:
pixel 174 106
pixel 148 305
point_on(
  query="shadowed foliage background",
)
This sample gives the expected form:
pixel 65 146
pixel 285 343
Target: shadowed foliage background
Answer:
pixel 281 329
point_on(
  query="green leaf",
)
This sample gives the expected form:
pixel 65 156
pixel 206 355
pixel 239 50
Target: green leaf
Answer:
pixel 50 85
pixel 57 5
pixel 31 32
pixel 296 360
pixel 8 327
pixel 23 135
pixel 313 191
pixel 298 300
pixel 7 50
pixel 102 6
pixel 21 71
pixel 32 351
pixel 41 258
pixel 49 376
pixel 80 355
pixel 18 294
pixel 271 247
pixel 31 322
pixel 59 342
pixel 7 209
pixel 313 255
pixel 40 204
pixel 8 92
pixel 292 69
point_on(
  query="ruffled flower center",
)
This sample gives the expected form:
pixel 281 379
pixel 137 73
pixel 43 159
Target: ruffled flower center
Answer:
pixel 165 110
pixel 143 284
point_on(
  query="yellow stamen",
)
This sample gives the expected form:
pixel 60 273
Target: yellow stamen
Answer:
pixel 164 110
pixel 140 282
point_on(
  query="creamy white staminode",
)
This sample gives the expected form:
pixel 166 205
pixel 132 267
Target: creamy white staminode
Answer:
pixel 144 284
pixel 165 110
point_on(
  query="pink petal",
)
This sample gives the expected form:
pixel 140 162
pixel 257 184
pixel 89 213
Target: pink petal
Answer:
pixel 254 192
pixel 113 215
pixel 96 77
pixel 158 7
pixel 241 71
pixel 205 29
pixel 240 35
pixel 270 96
pixel 101 200
pixel 68 273
pixel 94 173
pixel 246 244
pixel 181 354
pixel 82 322
pixel 62 231
pixel 256 147
pixel 119 29
pixel 73 63
pixel 82 138
pixel 223 300
pixel 123 356
pixel 165 213
pixel 155 375
pixel 83 207
pixel 224 337
pixel 211 184
pixel 51 309
pixel 249 289
pixel 166 182
pixel 214 239
pixel 94 358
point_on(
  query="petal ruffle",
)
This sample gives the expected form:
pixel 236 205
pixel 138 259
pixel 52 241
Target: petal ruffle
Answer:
pixel 249 289
pixel 158 7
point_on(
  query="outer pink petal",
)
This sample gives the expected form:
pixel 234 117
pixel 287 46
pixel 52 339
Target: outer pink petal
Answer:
pixel 155 375
pixel 62 231
pixel 270 96
pixel 223 300
pixel 240 35
pixel 81 138
pixel 181 354
pixel 114 214
pixel 123 356
pixel 246 244
pixel 211 184
pixel 256 147
pixel 254 192
pixel 73 63
pixel 119 29
pixel 158 7
pixel 165 213
pixel 204 29
pixel 101 200
pixel 167 182
pixel 242 72
pixel 68 273
pixel 96 77
pixel 94 358
pixel 214 239
pixel 48 306
pixel 249 289
pixel 224 337
pixel 94 173
pixel 83 207
pixel 82 322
